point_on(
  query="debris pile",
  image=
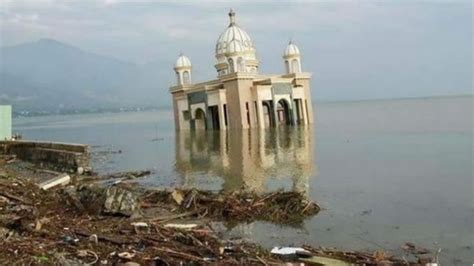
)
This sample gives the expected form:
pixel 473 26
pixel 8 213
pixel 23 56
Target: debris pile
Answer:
pixel 379 257
pixel 107 225
pixel 287 207
pixel 37 226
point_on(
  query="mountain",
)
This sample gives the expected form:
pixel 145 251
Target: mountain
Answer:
pixel 48 74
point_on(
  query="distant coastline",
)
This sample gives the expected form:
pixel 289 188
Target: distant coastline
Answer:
pixel 81 111
pixel 99 110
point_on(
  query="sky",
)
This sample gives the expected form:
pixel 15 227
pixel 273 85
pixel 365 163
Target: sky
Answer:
pixel 354 49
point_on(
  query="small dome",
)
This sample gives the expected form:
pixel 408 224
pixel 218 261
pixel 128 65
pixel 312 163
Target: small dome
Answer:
pixel 183 61
pixel 291 50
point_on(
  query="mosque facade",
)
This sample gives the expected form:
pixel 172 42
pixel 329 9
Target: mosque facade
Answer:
pixel 240 97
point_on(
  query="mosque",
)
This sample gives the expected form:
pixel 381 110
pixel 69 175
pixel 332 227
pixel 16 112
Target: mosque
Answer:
pixel 240 97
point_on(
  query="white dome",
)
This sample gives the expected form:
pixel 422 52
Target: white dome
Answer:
pixel 183 61
pixel 233 39
pixel 291 50
pixel 235 47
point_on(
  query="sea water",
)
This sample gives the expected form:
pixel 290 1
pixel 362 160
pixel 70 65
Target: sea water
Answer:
pixel 386 172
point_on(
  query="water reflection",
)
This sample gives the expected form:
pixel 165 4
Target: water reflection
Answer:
pixel 247 159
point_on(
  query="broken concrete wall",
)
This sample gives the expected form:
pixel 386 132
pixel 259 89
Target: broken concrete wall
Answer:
pixel 52 155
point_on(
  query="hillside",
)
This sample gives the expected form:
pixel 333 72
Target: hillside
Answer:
pixel 48 74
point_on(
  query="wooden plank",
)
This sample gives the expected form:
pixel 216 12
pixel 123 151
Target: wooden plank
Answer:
pixel 62 180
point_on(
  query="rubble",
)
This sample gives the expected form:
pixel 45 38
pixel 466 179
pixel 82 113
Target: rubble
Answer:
pixel 119 200
pixel 287 207
pixel 92 224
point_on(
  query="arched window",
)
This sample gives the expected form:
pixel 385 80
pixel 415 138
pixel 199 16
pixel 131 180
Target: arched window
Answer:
pixel 231 65
pixel 178 77
pixel 186 78
pixel 295 66
pixel 240 64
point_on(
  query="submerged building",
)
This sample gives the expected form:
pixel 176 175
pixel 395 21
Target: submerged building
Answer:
pixel 240 97
pixel 258 161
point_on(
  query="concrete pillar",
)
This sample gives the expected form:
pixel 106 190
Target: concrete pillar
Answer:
pixel 293 112
pixel 303 108
pixel 209 123
pixel 253 114
pixel 310 111
pixel 221 116
pixel 177 114
pixel 307 103
pixel 275 114
pixel 300 110
pixel 261 121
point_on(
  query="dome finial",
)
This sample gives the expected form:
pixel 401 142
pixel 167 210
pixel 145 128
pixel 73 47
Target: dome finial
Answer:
pixel 232 17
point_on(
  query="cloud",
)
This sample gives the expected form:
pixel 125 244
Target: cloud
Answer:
pixel 356 49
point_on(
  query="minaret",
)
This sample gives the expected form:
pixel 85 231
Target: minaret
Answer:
pixel 292 58
pixel 183 70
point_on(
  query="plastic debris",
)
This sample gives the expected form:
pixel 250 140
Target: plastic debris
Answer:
pixel 70 240
pixel 181 226
pixel 60 180
pixel 93 238
pixel 177 196
pixel 290 251
pixel 140 227
pixel 126 255
pixel 139 224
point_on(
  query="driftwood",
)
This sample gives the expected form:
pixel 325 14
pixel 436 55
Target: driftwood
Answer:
pixel 173 217
pixel 117 241
pixel 13 197
pixel 127 175
pixel 281 206
pixel 122 176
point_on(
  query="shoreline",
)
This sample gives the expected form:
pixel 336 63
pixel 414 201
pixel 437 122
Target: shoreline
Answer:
pixel 83 223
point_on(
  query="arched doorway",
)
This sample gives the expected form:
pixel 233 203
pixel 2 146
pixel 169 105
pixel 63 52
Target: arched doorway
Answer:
pixel 200 119
pixel 283 112
pixel 267 114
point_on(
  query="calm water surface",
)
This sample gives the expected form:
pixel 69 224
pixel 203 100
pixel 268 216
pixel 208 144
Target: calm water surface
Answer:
pixel 387 172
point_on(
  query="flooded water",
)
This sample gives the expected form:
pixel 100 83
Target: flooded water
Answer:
pixel 386 172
